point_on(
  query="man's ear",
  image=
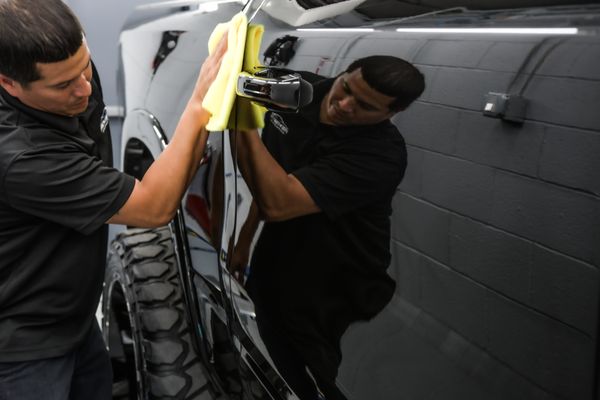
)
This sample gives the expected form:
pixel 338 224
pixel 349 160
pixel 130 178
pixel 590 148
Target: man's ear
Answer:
pixel 10 85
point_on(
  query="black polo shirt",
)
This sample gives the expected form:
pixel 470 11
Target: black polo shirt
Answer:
pixel 317 273
pixel 57 190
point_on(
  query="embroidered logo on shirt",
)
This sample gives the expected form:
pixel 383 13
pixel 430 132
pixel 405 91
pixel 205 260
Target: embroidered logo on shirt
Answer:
pixel 104 120
pixel 277 121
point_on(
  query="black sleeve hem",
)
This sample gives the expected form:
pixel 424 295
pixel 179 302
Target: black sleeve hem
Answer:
pixel 314 193
pixel 127 185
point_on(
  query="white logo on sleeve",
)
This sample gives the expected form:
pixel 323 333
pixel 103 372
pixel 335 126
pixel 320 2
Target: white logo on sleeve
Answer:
pixel 279 123
pixel 104 120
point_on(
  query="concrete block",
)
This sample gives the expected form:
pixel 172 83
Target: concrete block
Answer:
pixel 565 289
pixel 430 74
pixel 549 282
pixel 453 53
pixel 421 226
pixel 455 300
pixel 405 271
pixel 495 259
pixel 381 43
pixel 570 157
pixel 340 64
pixel 506 56
pixel 429 126
pixel 492 142
pixel 562 219
pixel 424 370
pixel 358 357
pixel 458 185
pixel 385 43
pixel 501 388
pixel 412 355
pixel 450 86
pixel 564 101
pixel 498 381
pixel 547 352
pixel 396 365
pixel 412 183
pixel 578 58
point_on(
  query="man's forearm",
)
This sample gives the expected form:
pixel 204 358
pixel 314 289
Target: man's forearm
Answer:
pixel 279 195
pixel 157 196
pixel 155 199
pixel 250 226
pixel 265 177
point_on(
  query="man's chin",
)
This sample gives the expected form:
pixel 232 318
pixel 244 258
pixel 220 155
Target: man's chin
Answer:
pixel 338 120
pixel 78 108
pixel 335 118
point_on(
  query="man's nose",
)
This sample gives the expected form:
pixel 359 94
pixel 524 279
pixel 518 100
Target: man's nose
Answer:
pixel 346 104
pixel 83 87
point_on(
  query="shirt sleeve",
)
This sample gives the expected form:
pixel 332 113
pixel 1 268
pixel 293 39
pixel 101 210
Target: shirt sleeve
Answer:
pixel 66 186
pixel 356 173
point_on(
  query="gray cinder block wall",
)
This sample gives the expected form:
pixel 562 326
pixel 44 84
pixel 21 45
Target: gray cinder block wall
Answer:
pixel 496 230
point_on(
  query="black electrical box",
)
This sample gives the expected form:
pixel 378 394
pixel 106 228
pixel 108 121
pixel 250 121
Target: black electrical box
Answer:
pixel 505 106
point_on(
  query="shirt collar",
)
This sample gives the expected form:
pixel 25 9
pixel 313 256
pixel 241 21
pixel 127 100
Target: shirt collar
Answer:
pixel 59 122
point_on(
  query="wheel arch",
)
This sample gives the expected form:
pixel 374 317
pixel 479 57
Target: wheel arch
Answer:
pixel 143 139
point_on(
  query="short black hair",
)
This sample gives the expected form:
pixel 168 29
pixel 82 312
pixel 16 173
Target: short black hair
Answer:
pixel 36 31
pixel 393 77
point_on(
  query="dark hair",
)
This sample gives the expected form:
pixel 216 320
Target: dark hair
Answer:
pixel 36 31
pixel 393 77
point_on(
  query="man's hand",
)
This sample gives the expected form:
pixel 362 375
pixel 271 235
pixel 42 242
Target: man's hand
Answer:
pixel 239 261
pixel 209 70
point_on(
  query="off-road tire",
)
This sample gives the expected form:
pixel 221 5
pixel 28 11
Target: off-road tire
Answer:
pixel 142 282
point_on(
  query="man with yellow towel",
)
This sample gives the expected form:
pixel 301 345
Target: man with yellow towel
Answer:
pixel 58 191
pixel 323 181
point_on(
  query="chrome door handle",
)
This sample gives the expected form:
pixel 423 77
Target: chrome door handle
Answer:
pixel 275 89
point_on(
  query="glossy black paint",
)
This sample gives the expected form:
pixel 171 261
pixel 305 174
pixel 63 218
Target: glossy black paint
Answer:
pixel 158 81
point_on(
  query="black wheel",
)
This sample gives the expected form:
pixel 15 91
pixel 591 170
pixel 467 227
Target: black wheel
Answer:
pixel 145 324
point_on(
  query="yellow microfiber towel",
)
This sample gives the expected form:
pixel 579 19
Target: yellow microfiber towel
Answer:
pixel 220 97
pixel 249 114
pixel 221 94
